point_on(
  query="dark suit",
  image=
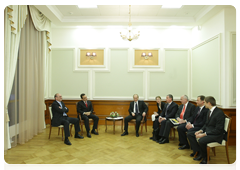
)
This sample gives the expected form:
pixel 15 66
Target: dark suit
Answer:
pixel 142 107
pixel 198 119
pixel 214 128
pixel 81 108
pixel 168 124
pixel 168 112
pixel 156 123
pixel 58 118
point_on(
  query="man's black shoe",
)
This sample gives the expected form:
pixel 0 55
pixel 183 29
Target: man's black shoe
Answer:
pixel 204 161
pixel 184 147
pixel 124 133
pixel 67 142
pixel 79 136
pixel 199 158
pixel 164 141
pixel 89 135
pixel 137 135
pixel 94 132
pixel 180 144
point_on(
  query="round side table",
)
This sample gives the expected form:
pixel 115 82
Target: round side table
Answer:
pixel 113 119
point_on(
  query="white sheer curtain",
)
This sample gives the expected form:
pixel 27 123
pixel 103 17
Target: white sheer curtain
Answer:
pixel 14 18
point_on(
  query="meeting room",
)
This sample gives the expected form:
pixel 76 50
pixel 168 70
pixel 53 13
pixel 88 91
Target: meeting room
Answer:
pixel 120 84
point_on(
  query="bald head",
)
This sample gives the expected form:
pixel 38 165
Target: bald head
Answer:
pixel 184 99
pixel 58 97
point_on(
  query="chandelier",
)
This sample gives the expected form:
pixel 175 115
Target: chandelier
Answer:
pixel 130 35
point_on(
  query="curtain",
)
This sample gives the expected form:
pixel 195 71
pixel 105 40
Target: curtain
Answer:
pixel 42 23
pixel 33 50
pixel 14 18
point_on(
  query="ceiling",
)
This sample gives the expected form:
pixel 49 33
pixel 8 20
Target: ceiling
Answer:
pixel 118 15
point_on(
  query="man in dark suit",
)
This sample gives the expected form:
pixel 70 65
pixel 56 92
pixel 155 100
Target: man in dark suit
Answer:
pixel 184 113
pixel 169 111
pixel 212 131
pixel 155 116
pixel 137 110
pixel 194 124
pixel 60 117
pixel 84 107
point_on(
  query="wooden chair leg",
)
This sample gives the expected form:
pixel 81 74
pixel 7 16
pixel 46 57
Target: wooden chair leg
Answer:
pixel 62 133
pixel 173 133
pixel 195 155
pixel 213 149
pixel 208 152
pixel 50 132
pixel 226 147
pixel 146 126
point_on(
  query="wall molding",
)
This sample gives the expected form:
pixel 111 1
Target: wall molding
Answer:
pixel 232 100
pixel 141 68
pixel 78 67
pixel 218 36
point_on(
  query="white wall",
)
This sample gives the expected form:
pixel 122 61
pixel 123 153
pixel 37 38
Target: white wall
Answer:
pixel 114 81
pixel 223 23
pixel 119 81
pixel 230 55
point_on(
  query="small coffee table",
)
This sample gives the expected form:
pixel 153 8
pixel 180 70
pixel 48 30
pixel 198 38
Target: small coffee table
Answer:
pixel 114 119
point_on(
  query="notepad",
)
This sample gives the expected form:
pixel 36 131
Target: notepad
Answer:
pixel 174 121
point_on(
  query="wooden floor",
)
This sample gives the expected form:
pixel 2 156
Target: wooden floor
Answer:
pixel 106 148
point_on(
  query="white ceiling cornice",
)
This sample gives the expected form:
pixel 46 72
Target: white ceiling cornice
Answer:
pixel 60 17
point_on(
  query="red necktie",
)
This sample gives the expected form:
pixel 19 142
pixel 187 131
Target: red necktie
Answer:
pixel 183 110
pixel 86 104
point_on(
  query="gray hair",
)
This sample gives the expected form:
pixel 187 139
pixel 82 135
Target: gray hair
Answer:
pixel 185 97
pixel 136 94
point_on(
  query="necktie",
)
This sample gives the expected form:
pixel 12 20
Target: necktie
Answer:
pixel 86 104
pixel 198 113
pixel 64 114
pixel 136 108
pixel 209 114
pixel 166 109
pixel 182 113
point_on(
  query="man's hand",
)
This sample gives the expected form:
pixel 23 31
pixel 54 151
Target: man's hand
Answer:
pixel 198 132
pixel 181 121
pixel 133 114
pixel 144 114
pixel 161 119
pixel 155 113
pixel 60 107
pixel 189 126
pixel 200 135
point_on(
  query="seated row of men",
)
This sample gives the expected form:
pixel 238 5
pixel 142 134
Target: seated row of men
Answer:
pixel 203 124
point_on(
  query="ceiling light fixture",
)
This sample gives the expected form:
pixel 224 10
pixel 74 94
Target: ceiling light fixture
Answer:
pixel 130 35
pixel 171 6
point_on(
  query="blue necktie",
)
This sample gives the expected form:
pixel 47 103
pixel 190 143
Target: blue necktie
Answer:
pixel 64 114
